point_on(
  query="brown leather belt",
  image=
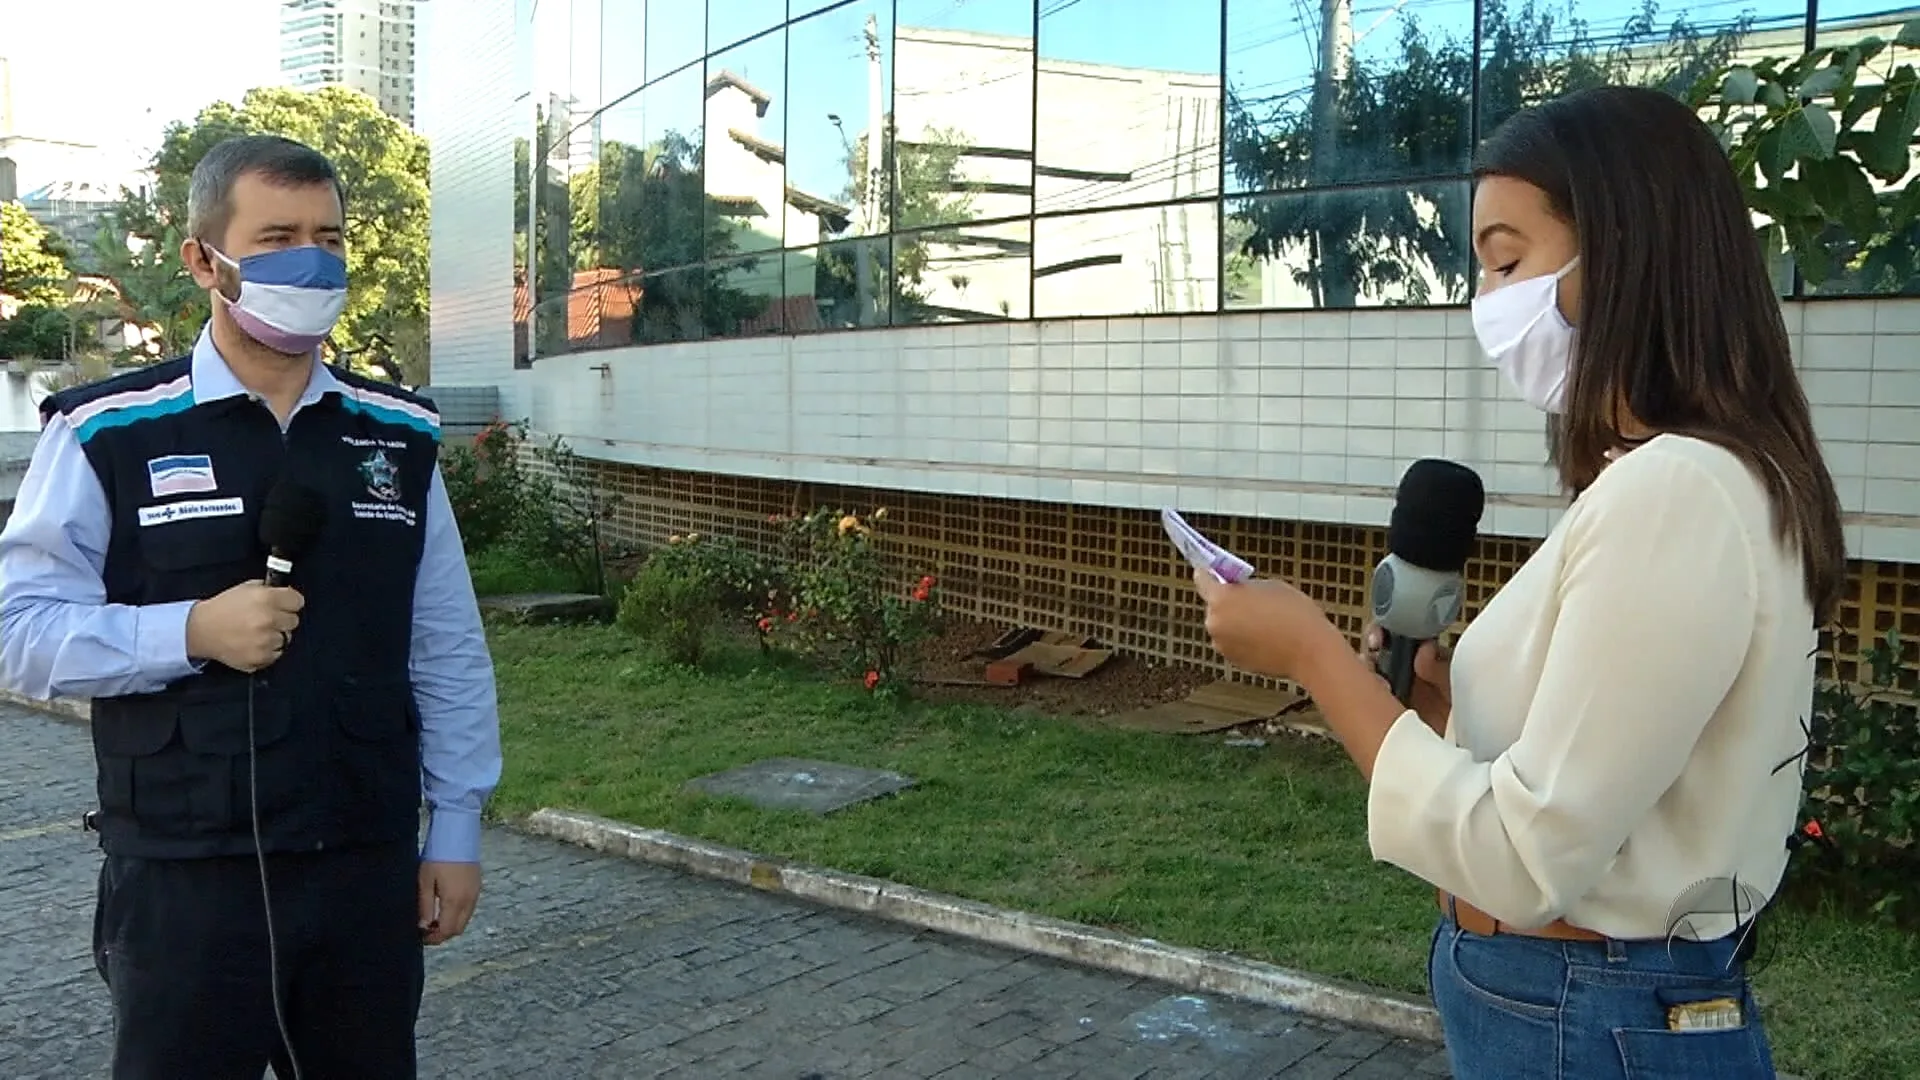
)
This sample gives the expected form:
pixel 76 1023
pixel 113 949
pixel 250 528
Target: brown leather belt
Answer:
pixel 1474 921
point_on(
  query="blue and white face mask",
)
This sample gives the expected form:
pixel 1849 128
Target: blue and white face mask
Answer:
pixel 290 298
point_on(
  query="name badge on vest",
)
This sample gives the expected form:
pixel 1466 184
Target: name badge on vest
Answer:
pixel 191 510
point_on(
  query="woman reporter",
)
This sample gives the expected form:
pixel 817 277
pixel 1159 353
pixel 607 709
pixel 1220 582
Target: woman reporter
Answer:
pixel 1605 779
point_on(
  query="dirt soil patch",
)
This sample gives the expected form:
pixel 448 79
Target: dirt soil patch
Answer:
pixel 1122 684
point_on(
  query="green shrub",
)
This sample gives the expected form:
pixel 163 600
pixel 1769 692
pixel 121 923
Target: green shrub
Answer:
pixel 673 606
pixel 487 484
pixel 1863 782
pixel 549 517
pixel 845 603
pixel 501 571
pixel 685 588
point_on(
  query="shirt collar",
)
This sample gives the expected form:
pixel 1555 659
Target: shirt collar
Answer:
pixel 213 380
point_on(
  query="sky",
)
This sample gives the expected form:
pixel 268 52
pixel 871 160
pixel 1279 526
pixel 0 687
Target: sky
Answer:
pixel 66 87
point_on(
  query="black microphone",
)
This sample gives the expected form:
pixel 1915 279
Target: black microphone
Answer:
pixel 290 521
pixel 1417 587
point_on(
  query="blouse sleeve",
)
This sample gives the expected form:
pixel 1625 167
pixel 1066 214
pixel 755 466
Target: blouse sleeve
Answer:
pixel 1657 601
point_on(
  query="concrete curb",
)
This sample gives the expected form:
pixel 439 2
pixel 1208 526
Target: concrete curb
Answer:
pixel 64 708
pixel 1195 969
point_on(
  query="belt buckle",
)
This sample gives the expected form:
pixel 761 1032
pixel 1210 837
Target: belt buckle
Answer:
pixel 90 821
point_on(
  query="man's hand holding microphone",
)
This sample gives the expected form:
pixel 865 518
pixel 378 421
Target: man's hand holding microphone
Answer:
pixel 246 627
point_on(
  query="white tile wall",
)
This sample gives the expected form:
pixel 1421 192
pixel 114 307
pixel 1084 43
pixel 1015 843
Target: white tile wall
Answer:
pixel 1297 415
pixel 469 117
pixel 1269 414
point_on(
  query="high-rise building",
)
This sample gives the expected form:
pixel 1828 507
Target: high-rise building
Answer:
pixel 365 45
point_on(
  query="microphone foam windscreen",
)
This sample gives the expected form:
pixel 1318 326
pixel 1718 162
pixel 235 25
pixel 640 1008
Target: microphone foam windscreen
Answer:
pixel 291 518
pixel 1436 514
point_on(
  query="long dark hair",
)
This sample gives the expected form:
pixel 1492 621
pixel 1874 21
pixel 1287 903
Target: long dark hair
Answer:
pixel 1679 319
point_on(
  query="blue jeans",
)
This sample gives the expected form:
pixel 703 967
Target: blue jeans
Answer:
pixel 1523 1008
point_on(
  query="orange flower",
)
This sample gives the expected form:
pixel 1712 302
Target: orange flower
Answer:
pixel 848 524
pixel 920 593
pixel 927 582
pixel 765 624
pixel 873 679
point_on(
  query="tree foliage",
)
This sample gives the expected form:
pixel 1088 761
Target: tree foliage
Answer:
pixel 701 270
pixel 1346 217
pixel 33 261
pixel 382 165
pixel 37 331
pixel 1823 146
pixel 644 212
pixel 925 198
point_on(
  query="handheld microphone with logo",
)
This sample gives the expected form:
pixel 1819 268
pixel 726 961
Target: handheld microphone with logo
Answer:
pixel 1417 587
pixel 290 521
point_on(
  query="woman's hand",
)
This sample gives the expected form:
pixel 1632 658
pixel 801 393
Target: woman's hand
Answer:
pixel 1268 627
pixel 1432 677
pixel 1271 628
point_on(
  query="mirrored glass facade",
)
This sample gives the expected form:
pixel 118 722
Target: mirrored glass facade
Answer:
pixel 692 170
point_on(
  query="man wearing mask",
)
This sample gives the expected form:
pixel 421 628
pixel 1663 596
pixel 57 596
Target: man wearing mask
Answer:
pixel 263 750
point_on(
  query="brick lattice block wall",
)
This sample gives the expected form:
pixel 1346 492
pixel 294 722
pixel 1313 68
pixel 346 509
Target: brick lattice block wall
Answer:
pixel 1110 572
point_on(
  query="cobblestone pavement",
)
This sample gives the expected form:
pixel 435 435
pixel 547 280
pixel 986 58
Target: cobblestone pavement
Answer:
pixel 580 965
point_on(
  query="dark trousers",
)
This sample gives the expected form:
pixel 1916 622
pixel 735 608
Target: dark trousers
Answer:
pixel 182 944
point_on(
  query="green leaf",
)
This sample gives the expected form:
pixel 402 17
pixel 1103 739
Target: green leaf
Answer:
pixel 1810 133
pixel 1771 154
pixel 1844 194
pixel 1866 100
pixel 1803 239
pixel 1909 35
pixel 1888 151
pixel 1823 82
pixel 1773 95
pixel 1905 208
pixel 1741 87
pixel 1795 198
pixel 1797 70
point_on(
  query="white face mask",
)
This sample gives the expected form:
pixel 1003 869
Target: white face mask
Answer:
pixel 1526 337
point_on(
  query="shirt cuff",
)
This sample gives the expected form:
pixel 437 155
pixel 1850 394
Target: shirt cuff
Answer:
pixel 160 641
pixel 452 836
pixel 1410 773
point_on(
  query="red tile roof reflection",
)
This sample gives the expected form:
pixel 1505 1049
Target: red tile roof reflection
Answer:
pixel 600 309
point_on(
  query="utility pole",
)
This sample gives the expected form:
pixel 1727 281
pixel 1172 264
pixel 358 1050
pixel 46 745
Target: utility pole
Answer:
pixel 870 209
pixel 1336 57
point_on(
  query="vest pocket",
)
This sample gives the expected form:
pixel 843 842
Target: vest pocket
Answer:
pixel 181 769
pixel 197 559
pixel 138 781
pixel 380 755
pixel 215 734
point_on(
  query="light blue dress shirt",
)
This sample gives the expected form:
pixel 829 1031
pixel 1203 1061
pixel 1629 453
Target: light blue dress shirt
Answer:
pixel 60 638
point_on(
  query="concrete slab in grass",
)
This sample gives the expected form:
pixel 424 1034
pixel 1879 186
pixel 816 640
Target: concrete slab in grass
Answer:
pixel 813 787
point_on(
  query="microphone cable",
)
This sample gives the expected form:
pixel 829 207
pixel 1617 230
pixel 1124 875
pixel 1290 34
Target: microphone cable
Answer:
pixel 266 897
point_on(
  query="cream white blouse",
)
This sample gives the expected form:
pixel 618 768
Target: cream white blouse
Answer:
pixel 1622 710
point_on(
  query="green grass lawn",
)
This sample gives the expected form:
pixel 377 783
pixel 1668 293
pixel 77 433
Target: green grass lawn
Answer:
pixel 1260 852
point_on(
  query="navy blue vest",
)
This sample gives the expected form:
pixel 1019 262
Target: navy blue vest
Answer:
pixel 335 725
